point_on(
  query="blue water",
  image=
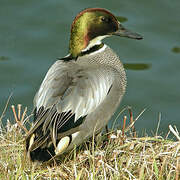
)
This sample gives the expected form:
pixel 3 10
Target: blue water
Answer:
pixel 34 33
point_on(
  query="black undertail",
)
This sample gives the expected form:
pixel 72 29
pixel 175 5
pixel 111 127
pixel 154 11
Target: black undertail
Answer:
pixel 45 121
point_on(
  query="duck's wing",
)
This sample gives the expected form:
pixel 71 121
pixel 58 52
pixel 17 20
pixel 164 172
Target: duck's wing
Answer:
pixel 67 95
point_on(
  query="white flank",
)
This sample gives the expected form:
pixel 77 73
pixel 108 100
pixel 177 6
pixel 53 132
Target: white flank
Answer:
pixel 62 145
pixel 31 141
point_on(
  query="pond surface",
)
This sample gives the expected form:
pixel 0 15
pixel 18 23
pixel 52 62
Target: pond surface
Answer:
pixel 34 33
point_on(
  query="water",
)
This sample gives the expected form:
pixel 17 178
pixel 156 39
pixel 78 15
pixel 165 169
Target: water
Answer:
pixel 34 33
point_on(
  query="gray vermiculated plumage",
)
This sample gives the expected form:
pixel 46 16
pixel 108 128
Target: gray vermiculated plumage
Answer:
pixel 90 87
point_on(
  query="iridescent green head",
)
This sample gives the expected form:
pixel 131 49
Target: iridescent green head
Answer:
pixel 91 26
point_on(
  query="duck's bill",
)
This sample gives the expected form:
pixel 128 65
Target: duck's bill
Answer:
pixel 123 32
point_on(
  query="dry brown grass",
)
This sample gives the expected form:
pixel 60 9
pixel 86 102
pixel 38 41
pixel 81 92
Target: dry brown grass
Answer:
pixel 111 156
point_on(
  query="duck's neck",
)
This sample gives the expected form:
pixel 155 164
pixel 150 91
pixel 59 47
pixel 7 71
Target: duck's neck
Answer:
pixel 91 49
pixel 81 44
pixel 78 41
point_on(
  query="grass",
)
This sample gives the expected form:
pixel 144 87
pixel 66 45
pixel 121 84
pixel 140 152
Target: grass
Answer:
pixel 120 154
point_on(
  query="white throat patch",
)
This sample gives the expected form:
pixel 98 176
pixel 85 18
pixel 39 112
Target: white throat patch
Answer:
pixel 95 41
pixel 99 50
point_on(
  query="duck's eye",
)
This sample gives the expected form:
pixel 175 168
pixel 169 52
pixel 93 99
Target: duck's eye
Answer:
pixel 105 19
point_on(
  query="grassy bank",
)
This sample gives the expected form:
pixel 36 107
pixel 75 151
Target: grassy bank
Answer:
pixel 119 154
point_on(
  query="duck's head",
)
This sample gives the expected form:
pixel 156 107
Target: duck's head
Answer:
pixel 91 26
